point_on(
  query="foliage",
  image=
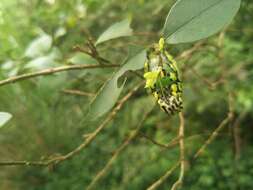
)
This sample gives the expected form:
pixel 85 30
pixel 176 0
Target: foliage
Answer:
pixel 4 118
pixel 47 121
pixel 194 20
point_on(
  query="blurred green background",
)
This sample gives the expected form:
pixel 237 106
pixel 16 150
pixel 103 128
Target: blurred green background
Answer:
pixel 39 34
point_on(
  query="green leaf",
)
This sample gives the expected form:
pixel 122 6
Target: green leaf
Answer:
pixel 39 46
pixel 81 58
pixel 105 98
pixel 135 60
pixel 61 31
pixel 4 118
pixel 117 30
pixel 44 62
pixel 109 93
pixel 191 20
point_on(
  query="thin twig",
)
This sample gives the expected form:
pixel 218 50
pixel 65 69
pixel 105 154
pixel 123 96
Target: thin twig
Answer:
pixel 164 177
pixel 215 133
pixel 188 53
pixel 171 144
pixel 161 180
pixel 174 142
pixel 211 84
pixel 53 70
pixel 78 92
pixel 87 140
pixel 221 37
pixel 237 135
pixel 24 163
pixel 91 52
pixel 182 152
pixel 109 164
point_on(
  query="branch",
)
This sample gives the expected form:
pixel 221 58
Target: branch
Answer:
pixel 171 144
pixel 24 163
pixel 211 84
pixel 215 133
pixel 51 71
pixel 109 164
pixel 91 52
pixel 161 180
pixel 78 92
pixel 91 49
pixel 86 142
pixel 182 157
pixel 236 134
pixel 164 177
pixel 188 53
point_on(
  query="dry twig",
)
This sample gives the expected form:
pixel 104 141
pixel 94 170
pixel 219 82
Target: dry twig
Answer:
pixel 109 164
pixel 78 93
pixel 236 135
pixel 164 177
pixel 188 53
pixel 171 144
pixel 212 85
pixel 182 150
pixel 161 180
pixel 51 71
pixel 218 129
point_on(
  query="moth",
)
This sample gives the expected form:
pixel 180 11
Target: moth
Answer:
pixel 162 78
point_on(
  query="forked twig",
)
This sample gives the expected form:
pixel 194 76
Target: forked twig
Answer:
pixel 171 144
pixel 161 180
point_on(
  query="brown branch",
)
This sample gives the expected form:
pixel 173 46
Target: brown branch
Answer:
pixel 86 142
pixel 51 71
pixel 236 135
pixel 216 132
pixel 188 53
pixel 174 142
pixel 78 92
pixel 164 177
pixel 91 52
pixel 171 144
pixel 182 153
pixel 109 164
pixel 161 180
pixel 221 37
pixel 211 84
pixel 23 163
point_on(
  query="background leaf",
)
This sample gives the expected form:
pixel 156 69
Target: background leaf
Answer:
pixel 39 46
pixel 46 61
pixel 191 20
pixel 109 93
pixel 4 118
pixel 117 30
pixel 106 98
